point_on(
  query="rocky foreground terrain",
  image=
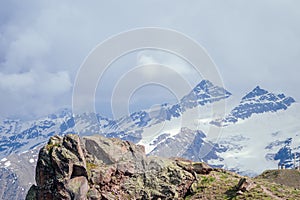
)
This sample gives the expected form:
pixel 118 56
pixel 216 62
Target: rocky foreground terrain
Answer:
pixel 95 167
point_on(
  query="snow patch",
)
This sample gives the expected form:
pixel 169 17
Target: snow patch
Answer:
pixel 7 164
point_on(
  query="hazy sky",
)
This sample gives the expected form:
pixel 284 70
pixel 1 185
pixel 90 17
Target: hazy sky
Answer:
pixel 43 43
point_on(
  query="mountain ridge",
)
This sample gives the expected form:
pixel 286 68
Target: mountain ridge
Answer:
pixel 256 102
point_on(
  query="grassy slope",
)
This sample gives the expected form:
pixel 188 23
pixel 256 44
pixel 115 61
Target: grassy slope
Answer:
pixel 222 185
pixel 288 177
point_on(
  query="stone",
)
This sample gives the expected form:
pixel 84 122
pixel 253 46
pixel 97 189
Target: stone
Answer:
pixel 194 167
pixel 93 194
pixel 245 185
pixel 60 161
pixel 114 150
pixel 78 187
pixel 32 193
pixel 201 168
pixel 126 168
pixel 96 167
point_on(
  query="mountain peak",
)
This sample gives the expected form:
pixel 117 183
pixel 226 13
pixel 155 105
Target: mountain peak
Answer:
pixel 205 92
pixel 257 101
pixel 257 91
pixel 204 84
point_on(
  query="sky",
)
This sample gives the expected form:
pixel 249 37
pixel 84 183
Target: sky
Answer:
pixel 44 43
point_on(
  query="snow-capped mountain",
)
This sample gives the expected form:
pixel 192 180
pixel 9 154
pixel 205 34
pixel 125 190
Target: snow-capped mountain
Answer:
pixel 261 142
pixel 256 102
pixel 17 136
pixel 262 119
pixel 186 144
pixel 205 92
pixel 133 127
pixel 263 128
pixel 288 154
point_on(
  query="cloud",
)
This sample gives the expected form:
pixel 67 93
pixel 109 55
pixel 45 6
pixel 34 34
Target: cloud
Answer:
pixel 16 82
pixel 42 44
pixel 146 60
pixel 32 93
pixel 175 64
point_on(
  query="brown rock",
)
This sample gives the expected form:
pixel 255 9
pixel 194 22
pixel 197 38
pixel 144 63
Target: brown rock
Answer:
pixel 78 188
pixel 194 167
pixel 127 168
pixel 112 169
pixel 245 185
pixel 201 168
pixel 60 161
pixel 106 175
pixel 93 194
pixel 73 144
pixel 114 150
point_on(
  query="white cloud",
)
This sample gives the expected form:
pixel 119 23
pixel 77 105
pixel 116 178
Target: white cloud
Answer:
pixel 175 64
pixel 33 93
pixel 42 44
pixel 143 59
pixel 147 60
pixel 45 83
pixel 16 82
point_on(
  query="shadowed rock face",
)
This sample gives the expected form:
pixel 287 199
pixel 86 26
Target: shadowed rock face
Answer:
pixel 96 167
pixel 60 168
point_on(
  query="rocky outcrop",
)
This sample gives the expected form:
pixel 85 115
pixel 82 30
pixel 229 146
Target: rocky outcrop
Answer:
pixel 244 185
pixel 99 168
pixel 61 167
pixel 96 167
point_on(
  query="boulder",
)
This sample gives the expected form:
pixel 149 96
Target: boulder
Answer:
pixel 193 167
pixel 112 151
pixel 96 167
pixel 245 185
pixel 60 161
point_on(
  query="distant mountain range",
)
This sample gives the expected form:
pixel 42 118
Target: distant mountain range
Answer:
pixel 259 133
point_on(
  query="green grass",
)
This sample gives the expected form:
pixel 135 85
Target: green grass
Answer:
pixel 222 185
